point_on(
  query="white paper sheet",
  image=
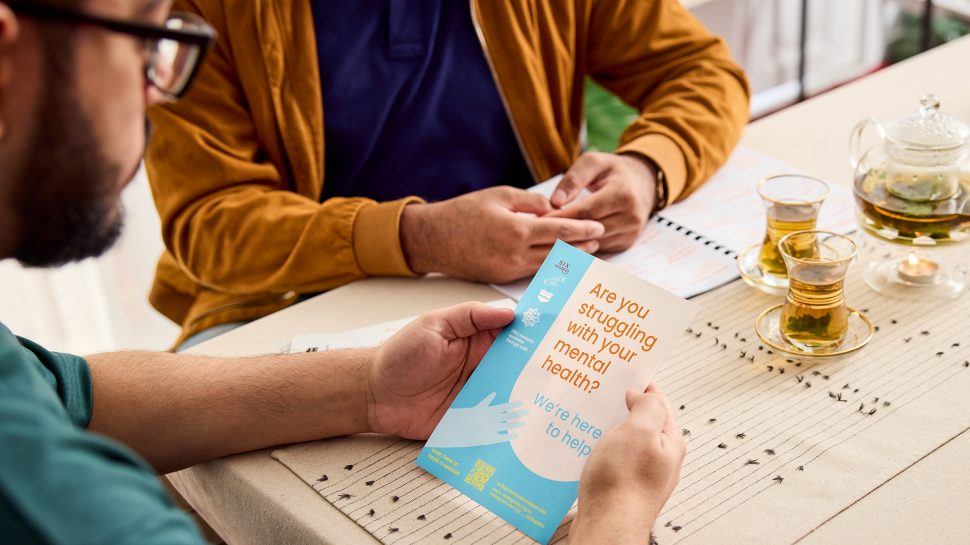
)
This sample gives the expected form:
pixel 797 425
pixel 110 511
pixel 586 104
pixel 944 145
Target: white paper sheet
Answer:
pixel 362 337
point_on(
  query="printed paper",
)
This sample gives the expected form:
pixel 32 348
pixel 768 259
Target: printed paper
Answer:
pixel 517 436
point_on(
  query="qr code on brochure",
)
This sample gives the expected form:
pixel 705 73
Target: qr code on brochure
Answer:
pixel 480 474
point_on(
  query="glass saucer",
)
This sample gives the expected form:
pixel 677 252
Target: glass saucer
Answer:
pixel 859 334
pixel 752 275
pixel 882 275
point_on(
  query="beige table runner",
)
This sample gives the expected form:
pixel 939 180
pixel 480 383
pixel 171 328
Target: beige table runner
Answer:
pixel 776 447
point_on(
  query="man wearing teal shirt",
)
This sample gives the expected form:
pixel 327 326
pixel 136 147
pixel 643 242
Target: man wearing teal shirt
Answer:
pixel 81 439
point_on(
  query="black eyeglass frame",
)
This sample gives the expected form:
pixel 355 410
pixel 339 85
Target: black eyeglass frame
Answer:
pixel 202 37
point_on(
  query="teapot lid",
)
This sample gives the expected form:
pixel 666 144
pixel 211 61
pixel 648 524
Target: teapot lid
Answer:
pixel 929 128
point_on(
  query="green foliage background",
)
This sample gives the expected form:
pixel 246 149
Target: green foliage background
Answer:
pixel 606 117
pixel 908 34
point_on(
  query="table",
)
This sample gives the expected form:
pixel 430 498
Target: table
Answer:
pixel 251 498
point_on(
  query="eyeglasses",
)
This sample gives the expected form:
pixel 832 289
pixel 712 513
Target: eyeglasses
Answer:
pixel 175 50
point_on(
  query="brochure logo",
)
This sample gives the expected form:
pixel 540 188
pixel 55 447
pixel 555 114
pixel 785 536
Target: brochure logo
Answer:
pixel 531 317
pixel 563 266
pixel 544 296
pixel 554 281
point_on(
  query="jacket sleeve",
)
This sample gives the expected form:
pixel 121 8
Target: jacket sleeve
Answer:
pixel 693 99
pixel 233 221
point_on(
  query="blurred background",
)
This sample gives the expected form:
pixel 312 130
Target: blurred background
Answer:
pixel 791 50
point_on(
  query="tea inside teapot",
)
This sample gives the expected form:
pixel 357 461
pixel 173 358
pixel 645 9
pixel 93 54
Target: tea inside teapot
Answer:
pixel 891 217
pixel 914 188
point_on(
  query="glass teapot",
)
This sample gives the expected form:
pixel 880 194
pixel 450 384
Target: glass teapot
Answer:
pixel 912 192
pixel 920 156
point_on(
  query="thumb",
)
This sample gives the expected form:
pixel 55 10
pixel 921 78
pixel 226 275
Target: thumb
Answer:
pixel 631 398
pixel 647 411
pixel 467 319
pixel 487 401
pixel 586 170
pixel 670 422
pixel 520 200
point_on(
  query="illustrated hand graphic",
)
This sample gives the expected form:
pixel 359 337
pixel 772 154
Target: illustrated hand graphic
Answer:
pixel 483 424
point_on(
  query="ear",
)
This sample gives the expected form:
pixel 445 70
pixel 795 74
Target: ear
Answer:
pixel 9 31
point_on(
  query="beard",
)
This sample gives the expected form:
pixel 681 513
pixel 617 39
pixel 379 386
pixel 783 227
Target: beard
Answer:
pixel 67 200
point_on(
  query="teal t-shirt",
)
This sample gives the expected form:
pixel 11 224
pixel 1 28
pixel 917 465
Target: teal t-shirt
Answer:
pixel 59 483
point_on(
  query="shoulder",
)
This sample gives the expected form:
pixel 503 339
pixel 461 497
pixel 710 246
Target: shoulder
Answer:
pixel 61 484
pixel 55 382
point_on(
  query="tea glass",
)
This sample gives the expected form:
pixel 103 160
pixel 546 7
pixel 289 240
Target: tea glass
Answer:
pixel 792 203
pixel 815 315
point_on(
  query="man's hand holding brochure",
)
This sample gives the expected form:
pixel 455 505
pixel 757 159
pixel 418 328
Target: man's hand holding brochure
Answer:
pixel 565 376
pixel 631 473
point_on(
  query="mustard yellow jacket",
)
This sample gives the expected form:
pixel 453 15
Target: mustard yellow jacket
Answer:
pixel 237 166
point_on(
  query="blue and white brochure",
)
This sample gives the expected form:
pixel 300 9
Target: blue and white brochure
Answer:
pixel 518 434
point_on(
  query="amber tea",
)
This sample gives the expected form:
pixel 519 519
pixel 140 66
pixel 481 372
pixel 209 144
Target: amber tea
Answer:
pixel 791 204
pixel 770 258
pixel 889 217
pixel 815 315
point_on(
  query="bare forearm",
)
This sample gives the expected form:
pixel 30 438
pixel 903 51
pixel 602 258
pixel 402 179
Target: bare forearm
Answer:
pixel 621 520
pixel 178 410
pixel 416 239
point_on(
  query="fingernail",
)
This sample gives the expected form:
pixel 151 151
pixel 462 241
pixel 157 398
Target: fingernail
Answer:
pixel 599 229
pixel 558 196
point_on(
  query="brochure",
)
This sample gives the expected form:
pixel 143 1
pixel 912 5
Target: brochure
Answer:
pixel 518 434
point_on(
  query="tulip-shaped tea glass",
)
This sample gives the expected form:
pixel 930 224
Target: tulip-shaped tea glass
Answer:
pixel 792 203
pixel 814 319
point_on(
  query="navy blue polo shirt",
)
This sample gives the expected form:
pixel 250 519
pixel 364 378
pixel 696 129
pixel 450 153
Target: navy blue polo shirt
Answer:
pixel 410 105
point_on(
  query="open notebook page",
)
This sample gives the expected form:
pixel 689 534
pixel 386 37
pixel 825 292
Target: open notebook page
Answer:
pixel 728 209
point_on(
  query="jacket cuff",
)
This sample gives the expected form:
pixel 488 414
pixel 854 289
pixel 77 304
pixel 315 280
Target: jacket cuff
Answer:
pixel 377 238
pixel 668 157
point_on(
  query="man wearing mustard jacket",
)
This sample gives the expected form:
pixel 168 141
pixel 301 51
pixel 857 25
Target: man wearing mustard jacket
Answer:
pixel 327 141
pixel 81 439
